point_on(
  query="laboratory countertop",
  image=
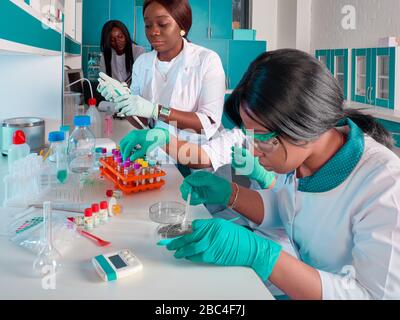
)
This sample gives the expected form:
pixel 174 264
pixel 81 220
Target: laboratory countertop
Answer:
pixel 163 277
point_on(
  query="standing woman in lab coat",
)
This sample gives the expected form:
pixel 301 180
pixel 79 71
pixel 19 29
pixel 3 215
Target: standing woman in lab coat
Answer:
pixel 337 193
pixel 179 83
pixel 119 51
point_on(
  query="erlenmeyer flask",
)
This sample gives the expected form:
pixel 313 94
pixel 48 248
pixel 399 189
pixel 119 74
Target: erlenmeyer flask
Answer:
pixel 48 260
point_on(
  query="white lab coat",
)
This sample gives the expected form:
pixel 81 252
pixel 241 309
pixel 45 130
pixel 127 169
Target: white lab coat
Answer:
pixel 199 86
pixel 350 234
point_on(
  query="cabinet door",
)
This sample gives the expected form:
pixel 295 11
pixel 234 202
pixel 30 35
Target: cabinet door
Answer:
pixel 384 80
pixel 221 15
pixel 361 75
pixel 241 54
pixel 95 15
pixel 123 10
pixel 339 66
pixel 201 19
pixel 325 57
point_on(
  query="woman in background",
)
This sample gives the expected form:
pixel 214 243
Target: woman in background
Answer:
pixel 119 51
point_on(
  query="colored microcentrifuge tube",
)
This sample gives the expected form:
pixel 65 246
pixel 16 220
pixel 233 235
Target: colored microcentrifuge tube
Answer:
pixel 152 169
pixel 137 170
pixel 157 169
pixel 145 170
pixel 88 219
pixel 127 166
pixel 114 193
pixel 95 214
pixel 103 212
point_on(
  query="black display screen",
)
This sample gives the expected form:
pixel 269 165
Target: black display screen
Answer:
pixel 117 261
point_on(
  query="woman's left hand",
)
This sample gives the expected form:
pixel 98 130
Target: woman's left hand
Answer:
pixel 225 243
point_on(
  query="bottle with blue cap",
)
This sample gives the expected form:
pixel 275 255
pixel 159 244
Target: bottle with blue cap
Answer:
pixel 81 146
pixel 57 149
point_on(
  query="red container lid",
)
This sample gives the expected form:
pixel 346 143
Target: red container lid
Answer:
pixel 109 193
pixel 92 102
pixel 103 205
pixel 19 137
pixel 88 212
pixel 95 207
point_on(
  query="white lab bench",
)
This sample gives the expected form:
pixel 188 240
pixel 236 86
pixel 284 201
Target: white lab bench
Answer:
pixel 163 277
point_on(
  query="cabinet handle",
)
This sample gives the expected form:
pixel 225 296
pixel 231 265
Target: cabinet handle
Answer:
pixel 367 95
pixel 370 95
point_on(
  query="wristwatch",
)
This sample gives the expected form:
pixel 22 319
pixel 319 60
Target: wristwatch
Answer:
pixel 164 112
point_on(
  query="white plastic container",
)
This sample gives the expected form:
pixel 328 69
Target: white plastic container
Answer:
pixel 19 148
pixel 95 119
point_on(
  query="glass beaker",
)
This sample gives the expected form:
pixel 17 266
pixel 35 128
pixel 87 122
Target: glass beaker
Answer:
pixel 48 260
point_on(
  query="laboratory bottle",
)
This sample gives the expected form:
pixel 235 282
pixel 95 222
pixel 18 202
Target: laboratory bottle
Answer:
pixel 95 118
pixel 19 148
pixel 81 146
pixel 57 149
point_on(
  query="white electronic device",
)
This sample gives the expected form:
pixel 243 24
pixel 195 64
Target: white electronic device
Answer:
pixel 116 265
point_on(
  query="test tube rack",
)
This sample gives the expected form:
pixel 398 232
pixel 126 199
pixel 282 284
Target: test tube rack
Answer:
pixel 128 184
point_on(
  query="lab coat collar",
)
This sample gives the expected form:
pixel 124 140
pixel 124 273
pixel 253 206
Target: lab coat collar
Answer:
pixel 339 168
pixel 190 58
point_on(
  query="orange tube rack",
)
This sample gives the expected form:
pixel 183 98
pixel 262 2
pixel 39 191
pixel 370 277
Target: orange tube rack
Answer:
pixel 128 184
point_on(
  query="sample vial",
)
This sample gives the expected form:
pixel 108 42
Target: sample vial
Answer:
pixel 114 193
pixel 158 170
pixel 111 203
pixel 96 214
pixel 103 212
pixel 145 171
pixel 152 169
pixel 88 219
pixel 116 209
pixel 137 170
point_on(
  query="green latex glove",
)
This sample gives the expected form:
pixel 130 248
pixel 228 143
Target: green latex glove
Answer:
pixel 207 188
pixel 248 165
pixel 148 140
pixel 131 105
pixel 221 242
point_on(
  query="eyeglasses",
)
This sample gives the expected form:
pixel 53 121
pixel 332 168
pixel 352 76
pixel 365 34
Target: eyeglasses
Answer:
pixel 265 142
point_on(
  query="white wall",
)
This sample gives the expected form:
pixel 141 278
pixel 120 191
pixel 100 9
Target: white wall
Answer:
pixel 303 25
pixel 374 19
pixel 265 18
pixel 30 86
pixel 287 23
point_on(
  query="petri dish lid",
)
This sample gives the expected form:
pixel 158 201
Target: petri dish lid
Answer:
pixel 167 212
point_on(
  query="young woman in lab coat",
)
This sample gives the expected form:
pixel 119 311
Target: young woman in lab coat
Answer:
pixel 337 192
pixel 119 51
pixel 179 83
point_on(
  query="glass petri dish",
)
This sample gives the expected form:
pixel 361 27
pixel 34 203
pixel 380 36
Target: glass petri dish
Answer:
pixel 166 233
pixel 167 212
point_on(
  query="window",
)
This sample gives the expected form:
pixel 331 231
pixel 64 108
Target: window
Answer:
pixel 241 14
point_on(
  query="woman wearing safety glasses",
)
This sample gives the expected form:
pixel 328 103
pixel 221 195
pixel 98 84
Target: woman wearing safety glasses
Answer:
pixel 337 192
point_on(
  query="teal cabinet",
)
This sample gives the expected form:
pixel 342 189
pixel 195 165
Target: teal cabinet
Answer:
pixel 393 128
pixel 212 19
pixel 95 14
pixel 19 26
pixel 241 54
pixel 374 76
pixel 337 62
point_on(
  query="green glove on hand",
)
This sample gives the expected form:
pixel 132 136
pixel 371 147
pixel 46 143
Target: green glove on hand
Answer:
pixel 221 242
pixel 148 140
pixel 248 165
pixel 110 88
pixel 207 188
pixel 131 105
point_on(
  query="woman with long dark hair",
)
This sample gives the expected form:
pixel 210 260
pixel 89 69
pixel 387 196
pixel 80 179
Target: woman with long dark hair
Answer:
pixel 337 193
pixel 119 51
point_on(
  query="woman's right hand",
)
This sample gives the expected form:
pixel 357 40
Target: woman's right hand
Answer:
pixel 206 188
pixel 148 140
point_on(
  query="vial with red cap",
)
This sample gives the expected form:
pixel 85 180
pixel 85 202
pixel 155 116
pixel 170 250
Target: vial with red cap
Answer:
pixel 96 214
pixel 103 212
pixel 19 148
pixel 88 220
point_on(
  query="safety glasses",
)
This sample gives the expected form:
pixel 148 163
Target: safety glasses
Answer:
pixel 264 142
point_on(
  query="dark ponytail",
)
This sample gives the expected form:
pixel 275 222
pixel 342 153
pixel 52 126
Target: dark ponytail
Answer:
pixel 290 92
pixel 371 127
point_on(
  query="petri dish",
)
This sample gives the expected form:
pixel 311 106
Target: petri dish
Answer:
pixel 167 212
pixel 166 233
